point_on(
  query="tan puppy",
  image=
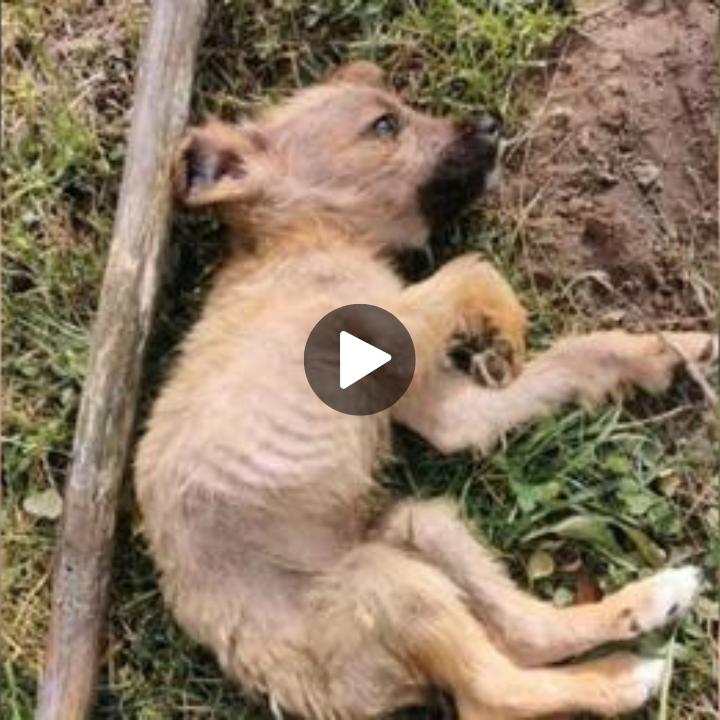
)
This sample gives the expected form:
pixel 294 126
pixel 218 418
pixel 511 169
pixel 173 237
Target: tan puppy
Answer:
pixel 260 502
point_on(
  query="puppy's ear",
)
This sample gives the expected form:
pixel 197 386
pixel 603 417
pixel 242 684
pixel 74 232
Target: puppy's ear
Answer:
pixel 218 163
pixel 359 73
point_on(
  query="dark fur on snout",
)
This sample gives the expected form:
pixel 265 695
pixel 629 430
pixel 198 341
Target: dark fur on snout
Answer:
pixel 462 171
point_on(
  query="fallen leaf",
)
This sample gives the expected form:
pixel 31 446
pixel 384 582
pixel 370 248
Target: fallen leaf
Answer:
pixel 540 565
pixel 652 553
pixel 587 589
pixel 47 504
pixel 592 529
pixel 563 597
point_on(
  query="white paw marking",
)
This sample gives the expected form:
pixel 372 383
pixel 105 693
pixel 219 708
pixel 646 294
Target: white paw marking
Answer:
pixel 673 593
pixel 650 674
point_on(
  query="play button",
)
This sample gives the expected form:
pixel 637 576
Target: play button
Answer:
pixel 359 359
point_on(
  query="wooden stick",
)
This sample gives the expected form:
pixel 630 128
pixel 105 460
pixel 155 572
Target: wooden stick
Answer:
pixel 106 421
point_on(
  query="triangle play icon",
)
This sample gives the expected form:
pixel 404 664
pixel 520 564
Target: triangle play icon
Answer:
pixel 358 359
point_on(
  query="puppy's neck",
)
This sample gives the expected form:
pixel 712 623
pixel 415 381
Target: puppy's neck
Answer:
pixel 265 238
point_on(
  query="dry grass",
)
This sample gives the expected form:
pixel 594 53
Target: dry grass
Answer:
pixel 68 83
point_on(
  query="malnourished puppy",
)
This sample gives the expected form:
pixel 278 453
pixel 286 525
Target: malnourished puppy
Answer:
pixel 260 502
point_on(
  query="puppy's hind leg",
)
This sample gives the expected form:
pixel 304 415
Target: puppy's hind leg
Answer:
pixel 533 632
pixel 384 626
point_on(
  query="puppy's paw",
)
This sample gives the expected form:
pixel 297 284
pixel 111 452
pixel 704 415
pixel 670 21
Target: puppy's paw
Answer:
pixel 656 601
pixel 496 366
pixel 634 681
pixel 699 348
pixel 486 304
pixel 655 367
pixel 649 674
pixel 489 359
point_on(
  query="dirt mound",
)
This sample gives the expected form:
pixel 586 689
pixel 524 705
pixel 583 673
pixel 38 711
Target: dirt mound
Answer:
pixel 615 179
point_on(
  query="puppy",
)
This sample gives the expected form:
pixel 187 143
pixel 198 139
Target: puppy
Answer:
pixel 260 503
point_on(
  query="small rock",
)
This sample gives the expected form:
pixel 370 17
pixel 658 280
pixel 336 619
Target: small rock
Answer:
pixel 585 140
pixel 646 174
pixel 613 317
pixel 576 206
pixel 653 7
pixel 560 117
pixel 616 87
pixel 606 179
pixel 610 61
pixel 613 116
pixel 626 143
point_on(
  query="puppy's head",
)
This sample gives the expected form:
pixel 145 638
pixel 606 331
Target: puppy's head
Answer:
pixel 346 150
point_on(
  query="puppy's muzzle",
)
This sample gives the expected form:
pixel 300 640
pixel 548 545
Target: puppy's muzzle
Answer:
pixel 465 169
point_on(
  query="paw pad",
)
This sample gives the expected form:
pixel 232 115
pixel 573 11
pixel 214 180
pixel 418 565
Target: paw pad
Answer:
pixel 487 357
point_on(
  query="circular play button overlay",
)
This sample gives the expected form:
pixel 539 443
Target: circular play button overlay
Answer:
pixel 359 359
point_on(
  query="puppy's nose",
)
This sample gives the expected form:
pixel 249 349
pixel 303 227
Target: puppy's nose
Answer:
pixel 485 125
pixel 488 124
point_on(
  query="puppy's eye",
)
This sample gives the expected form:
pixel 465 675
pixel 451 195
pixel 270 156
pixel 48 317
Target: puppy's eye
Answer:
pixel 386 126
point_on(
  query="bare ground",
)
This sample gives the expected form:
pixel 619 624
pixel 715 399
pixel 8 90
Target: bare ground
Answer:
pixel 615 179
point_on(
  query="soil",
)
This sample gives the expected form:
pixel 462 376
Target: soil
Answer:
pixel 614 182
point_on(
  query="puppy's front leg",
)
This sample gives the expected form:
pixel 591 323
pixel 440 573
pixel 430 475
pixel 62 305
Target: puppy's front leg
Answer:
pixel 453 413
pixel 467 300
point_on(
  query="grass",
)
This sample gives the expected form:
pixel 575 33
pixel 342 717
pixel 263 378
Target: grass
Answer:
pixel 577 504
